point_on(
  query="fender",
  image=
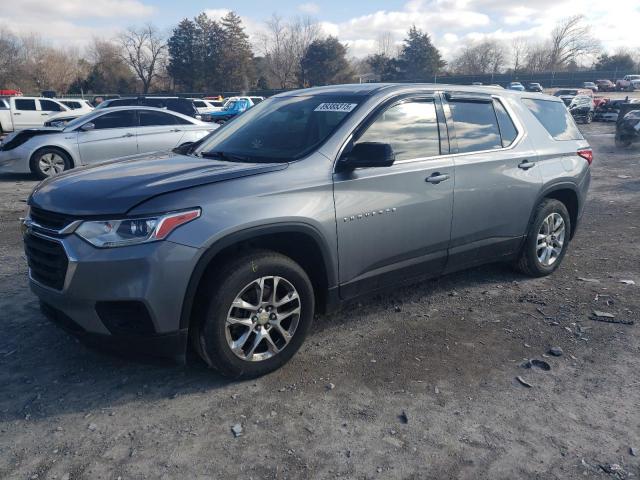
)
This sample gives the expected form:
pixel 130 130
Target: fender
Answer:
pixel 244 235
pixel 561 185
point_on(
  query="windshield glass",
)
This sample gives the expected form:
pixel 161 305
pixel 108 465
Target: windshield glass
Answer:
pixel 279 129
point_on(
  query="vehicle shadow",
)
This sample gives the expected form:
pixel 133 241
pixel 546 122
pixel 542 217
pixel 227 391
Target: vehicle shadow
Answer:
pixel 17 177
pixel 46 372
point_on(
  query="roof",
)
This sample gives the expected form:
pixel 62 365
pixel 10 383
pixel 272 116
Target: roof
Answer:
pixel 369 89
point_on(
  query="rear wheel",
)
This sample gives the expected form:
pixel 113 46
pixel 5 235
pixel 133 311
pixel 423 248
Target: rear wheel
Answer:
pixel 547 239
pixel 49 161
pixel 254 315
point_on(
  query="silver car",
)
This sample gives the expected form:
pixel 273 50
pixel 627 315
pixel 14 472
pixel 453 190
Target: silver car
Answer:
pixel 101 135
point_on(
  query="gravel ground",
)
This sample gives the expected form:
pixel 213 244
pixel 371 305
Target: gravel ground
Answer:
pixel 418 383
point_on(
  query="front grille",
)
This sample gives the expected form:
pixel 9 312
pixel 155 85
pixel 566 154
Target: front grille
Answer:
pixel 50 220
pixel 47 261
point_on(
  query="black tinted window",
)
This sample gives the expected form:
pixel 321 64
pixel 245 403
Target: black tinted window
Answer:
pixel 150 118
pixel 73 105
pixel 555 118
pixel 476 126
pixel 122 119
pixel 49 106
pixel 411 128
pixel 199 104
pixel 24 104
pixel 508 130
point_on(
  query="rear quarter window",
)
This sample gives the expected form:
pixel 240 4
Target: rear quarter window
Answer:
pixel 476 126
pixel 555 118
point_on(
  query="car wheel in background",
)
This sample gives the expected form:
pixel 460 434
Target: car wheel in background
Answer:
pixel 49 161
pixel 589 118
pixel 547 239
pixel 253 314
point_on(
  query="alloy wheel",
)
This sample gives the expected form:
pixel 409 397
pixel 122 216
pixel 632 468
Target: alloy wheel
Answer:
pixel 263 318
pixel 51 164
pixel 550 239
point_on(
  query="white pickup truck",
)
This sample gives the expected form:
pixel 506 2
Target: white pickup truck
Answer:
pixel 628 83
pixel 18 113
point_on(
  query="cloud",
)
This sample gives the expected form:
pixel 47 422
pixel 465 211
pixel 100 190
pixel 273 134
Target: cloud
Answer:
pixel 310 8
pixel 74 9
pixel 216 13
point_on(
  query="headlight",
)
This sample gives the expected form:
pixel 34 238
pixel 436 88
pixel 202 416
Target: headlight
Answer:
pixel 132 231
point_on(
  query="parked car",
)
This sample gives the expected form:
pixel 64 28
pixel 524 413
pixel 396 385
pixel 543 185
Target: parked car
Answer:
pixel 231 109
pixel 608 111
pixel 17 113
pixel 568 94
pixel 628 126
pixel 628 83
pixel 206 106
pixel 534 87
pixel 78 108
pixel 103 134
pixel 175 104
pixel 582 108
pixel 305 201
pixel 516 86
pixel 605 85
pixel 591 86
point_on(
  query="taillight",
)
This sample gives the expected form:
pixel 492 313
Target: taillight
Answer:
pixel 587 154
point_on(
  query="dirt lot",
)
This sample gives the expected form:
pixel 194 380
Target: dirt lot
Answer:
pixel 446 352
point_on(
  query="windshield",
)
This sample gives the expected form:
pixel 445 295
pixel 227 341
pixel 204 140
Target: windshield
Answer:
pixel 231 105
pixel 279 129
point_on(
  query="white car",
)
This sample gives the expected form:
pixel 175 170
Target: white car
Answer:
pixel 206 106
pixel 78 108
pixel 17 113
pixel 101 135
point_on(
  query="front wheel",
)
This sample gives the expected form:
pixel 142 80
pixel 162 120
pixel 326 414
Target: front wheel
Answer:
pixel 48 162
pixel 254 315
pixel 547 239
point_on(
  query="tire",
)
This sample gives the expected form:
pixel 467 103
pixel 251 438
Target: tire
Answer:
pixel 57 159
pixel 529 262
pixel 589 118
pixel 217 326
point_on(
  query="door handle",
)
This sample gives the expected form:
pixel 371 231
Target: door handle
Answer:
pixel 127 135
pixel 526 165
pixel 43 114
pixel 437 177
pixel 175 130
pixel 17 113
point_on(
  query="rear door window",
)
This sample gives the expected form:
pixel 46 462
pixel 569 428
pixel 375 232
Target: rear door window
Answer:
pixel 555 118
pixel 49 106
pixel 476 126
pixel 120 119
pixel 411 128
pixel 25 104
pixel 508 130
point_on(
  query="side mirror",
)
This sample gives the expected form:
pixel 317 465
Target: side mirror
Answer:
pixel 368 154
pixel 87 127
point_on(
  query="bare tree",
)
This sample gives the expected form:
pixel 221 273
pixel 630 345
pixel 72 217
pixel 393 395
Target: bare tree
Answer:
pixel 284 45
pixel 385 45
pixel 142 49
pixel 571 39
pixel 485 57
pixel 10 56
pixel 519 49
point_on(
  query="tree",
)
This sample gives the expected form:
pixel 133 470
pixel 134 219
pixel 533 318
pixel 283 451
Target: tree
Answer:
pixel 384 66
pixel 183 51
pixel 325 63
pixel 108 72
pixel 419 59
pixel 622 61
pixel 141 50
pixel 284 46
pixel 10 57
pixel 236 59
pixel 570 40
pixel 485 57
pixel 519 49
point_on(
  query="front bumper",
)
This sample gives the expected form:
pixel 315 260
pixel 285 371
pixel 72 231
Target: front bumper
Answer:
pixel 152 276
pixel 14 161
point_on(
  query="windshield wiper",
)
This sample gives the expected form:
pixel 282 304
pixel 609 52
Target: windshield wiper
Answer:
pixel 229 157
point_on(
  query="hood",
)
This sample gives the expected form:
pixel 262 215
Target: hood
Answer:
pixel 16 139
pixel 118 186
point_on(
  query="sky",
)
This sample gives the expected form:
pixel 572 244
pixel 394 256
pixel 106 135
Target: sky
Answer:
pixel 452 24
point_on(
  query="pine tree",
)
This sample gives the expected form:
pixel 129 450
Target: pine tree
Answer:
pixel 183 55
pixel 325 63
pixel 237 57
pixel 419 60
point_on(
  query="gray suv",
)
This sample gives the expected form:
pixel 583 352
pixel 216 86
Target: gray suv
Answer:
pixel 307 200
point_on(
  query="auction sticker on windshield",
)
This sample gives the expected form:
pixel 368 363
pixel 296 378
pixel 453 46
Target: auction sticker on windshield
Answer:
pixel 335 107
